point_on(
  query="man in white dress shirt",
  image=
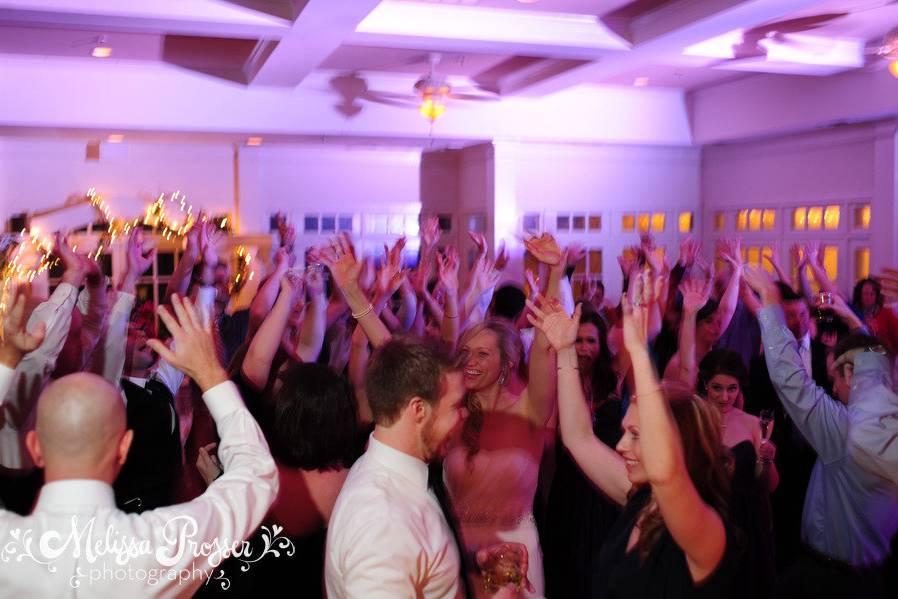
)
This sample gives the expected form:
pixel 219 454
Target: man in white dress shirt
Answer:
pixel 388 536
pixel 76 542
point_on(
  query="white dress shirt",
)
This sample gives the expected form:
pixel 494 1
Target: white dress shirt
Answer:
pixel 804 351
pixel 80 542
pixel 388 536
pixel 32 373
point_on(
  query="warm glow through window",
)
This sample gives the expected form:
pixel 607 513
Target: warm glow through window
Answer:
pixel 595 262
pixel 831 218
pixel 831 261
pixel 815 218
pixel 685 222
pixel 769 219
pixel 719 221
pixel 642 222
pixel 595 222
pixel 754 255
pixel 767 251
pixel 628 222
pixel 799 219
pixel 862 263
pixel 658 220
pixel 862 217
pixel 754 219
pixel 742 220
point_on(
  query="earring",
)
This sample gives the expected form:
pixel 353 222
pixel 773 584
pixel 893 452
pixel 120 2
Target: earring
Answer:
pixel 503 376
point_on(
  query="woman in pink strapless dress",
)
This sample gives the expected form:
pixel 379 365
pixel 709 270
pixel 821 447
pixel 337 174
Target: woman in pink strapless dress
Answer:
pixel 491 470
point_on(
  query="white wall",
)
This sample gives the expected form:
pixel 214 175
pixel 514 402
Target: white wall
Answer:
pixel 843 166
pixel 39 173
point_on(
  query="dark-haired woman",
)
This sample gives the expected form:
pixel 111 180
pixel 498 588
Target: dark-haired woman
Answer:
pixel 578 516
pixel 312 429
pixel 880 320
pixel 668 472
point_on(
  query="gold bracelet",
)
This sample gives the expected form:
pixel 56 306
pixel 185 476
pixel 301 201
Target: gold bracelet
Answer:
pixel 364 312
pixel 635 396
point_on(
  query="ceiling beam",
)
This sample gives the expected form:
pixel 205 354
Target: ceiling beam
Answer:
pixel 197 17
pixel 321 28
pixel 670 29
pixel 447 28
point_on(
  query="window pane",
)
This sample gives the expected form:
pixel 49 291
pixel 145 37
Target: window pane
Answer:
pixel 477 223
pixel 579 223
pixel 411 225
pixel 815 218
pixel 397 224
pixel 685 224
pixel 628 222
pixel 754 255
pixel 862 217
pixel 862 263
pixel 310 223
pixel 595 222
pixel 658 222
pixel 831 261
pixel 344 223
pixel 531 223
pixel 328 223
pixel 800 219
pixel 642 222
pixel 380 224
pixel 831 218
pixel 562 223
pixel 767 251
pixel 445 222
pixel 595 262
pixel 742 220
pixel 769 219
pixel 754 219
pixel 165 262
pixel 719 221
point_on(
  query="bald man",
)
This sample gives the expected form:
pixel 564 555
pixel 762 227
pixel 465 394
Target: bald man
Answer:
pixel 76 542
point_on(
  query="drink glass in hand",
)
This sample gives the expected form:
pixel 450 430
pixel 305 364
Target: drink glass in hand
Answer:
pixel 824 300
pixel 501 569
pixel 765 419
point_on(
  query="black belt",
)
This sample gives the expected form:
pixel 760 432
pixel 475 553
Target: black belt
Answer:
pixel 837 564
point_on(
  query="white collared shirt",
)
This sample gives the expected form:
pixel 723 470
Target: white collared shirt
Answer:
pixel 81 514
pixel 388 536
pixel 804 350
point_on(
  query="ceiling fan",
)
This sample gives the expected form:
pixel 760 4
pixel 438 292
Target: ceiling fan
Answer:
pixel 751 47
pixel 430 92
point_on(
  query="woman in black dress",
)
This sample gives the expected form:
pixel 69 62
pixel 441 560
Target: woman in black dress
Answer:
pixel 578 515
pixel 669 470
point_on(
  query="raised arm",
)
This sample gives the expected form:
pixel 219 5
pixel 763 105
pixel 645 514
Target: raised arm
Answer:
pixel 235 503
pixel 601 464
pixel 542 387
pixel 814 259
pixel 179 281
pixel 773 258
pixel 268 291
pixel 345 268
pixel 731 251
pixel 256 366
pixel 15 339
pixel 694 525
pixel 447 268
pixel 314 322
pixel 695 295
pixel 822 420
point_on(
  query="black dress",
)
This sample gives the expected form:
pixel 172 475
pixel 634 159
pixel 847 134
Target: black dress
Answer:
pixel 664 573
pixel 750 509
pixel 578 515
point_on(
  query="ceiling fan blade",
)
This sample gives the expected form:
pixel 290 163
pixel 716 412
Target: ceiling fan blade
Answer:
pixel 796 25
pixel 379 98
pixel 474 97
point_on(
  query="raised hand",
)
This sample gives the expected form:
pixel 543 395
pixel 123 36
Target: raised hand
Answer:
pixel 626 262
pixel 340 259
pixel 532 282
pixel 559 328
pixel 774 256
pixel 139 258
pixel 487 276
pixel 812 252
pixel 501 257
pixel 192 247
pixel 762 283
pixel 841 309
pixel 695 294
pixel 75 268
pixel 689 248
pixel 447 267
pixel 209 239
pixel 193 351
pixel 430 231
pixel 479 241
pixel 730 249
pixel 15 339
pixel 635 323
pixel 545 249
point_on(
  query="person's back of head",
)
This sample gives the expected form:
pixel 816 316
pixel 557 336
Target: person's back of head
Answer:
pixel 81 430
pixel 315 419
pixel 399 370
pixel 787 293
pixel 508 302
